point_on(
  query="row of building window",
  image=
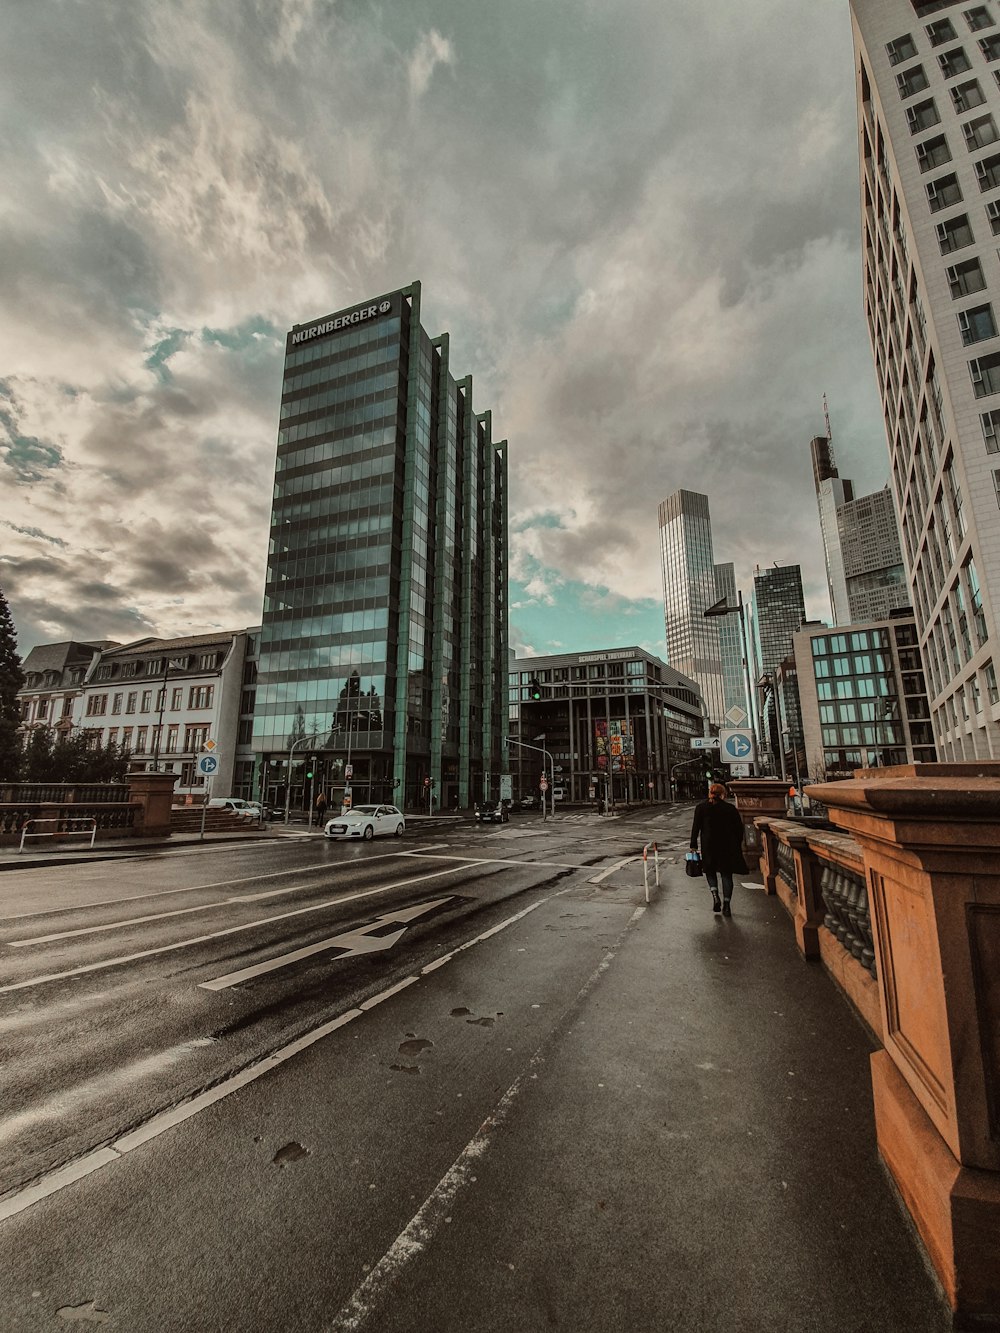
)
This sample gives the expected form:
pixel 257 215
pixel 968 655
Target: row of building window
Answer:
pixel 360 335
pixel 199 696
pixel 151 740
pixel 904 48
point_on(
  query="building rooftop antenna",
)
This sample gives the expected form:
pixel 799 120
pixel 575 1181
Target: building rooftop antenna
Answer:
pixel 829 432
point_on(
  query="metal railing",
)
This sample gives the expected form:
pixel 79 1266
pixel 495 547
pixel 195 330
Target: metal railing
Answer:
pixel 61 832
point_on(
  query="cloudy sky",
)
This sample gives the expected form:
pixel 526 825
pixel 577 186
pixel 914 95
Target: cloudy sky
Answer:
pixel 638 221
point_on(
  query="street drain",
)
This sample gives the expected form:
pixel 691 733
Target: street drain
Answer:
pixel 460 1013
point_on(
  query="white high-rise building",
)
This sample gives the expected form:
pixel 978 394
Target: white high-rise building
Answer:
pixel 864 563
pixel 929 135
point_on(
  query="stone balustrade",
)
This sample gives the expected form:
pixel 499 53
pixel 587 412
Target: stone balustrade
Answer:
pixel 141 808
pixel 900 901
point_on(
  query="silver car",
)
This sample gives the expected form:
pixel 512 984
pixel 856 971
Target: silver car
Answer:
pixel 366 821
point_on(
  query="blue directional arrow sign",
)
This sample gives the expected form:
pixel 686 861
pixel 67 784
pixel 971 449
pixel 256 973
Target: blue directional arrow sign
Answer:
pixel 736 746
pixel 207 764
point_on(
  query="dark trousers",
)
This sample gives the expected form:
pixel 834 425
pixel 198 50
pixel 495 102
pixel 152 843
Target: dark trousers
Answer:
pixel 727 882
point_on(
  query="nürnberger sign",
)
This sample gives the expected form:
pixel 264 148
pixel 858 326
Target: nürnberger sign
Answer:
pixel 342 321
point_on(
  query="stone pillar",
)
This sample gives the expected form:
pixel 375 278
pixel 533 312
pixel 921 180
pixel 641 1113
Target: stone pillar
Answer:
pixel 930 837
pixel 155 793
pixel 755 797
pixel 768 842
pixel 809 906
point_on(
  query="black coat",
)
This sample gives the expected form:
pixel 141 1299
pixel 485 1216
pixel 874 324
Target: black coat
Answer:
pixel 721 829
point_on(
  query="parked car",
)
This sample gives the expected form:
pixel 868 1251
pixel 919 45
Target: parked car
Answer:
pixel 366 821
pixel 236 804
pixel 493 814
pixel 529 803
pixel 264 812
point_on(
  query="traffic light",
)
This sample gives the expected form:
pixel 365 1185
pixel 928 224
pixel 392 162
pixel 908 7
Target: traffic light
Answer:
pixel 534 689
pixel 310 767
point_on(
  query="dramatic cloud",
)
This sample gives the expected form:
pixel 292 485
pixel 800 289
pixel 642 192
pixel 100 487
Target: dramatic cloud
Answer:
pixel 639 224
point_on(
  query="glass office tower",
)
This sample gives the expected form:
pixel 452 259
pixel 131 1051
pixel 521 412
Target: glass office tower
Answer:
pixel 689 589
pixel 384 632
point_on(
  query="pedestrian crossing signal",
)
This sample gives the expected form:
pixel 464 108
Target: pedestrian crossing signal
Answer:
pixel 534 689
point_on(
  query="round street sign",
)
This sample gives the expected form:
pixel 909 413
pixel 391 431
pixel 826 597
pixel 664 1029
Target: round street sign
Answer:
pixel 543 785
pixel 207 764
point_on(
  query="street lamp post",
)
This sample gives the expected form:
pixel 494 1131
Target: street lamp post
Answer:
pixel 303 740
pixel 720 608
pixel 157 739
pixel 523 745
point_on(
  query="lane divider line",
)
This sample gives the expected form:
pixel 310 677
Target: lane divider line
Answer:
pixel 219 934
pixel 219 884
pixel 418 1234
pixel 611 870
pixel 49 1184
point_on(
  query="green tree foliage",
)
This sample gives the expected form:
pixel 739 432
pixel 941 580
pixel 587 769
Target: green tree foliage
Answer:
pixel 11 680
pixel 71 757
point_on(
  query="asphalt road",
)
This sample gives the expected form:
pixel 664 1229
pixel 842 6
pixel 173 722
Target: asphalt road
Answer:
pixel 130 987
pixel 462 1083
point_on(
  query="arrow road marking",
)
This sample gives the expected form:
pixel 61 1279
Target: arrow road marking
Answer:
pixel 353 942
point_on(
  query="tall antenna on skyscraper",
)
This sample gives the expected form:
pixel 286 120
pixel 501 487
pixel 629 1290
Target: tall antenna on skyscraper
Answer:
pixel 829 431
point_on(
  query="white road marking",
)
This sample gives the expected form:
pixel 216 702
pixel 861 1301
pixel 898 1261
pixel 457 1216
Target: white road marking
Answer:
pixel 219 884
pixel 435 1211
pixel 19 1200
pixel 500 861
pixel 619 865
pixel 353 942
pixel 218 934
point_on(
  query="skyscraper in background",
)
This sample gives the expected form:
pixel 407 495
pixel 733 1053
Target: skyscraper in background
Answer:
pixel 706 650
pixel 864 563
pixel 384 632
pixel 929 142
pixel 688 591
pixel 832 493
pixel 777 612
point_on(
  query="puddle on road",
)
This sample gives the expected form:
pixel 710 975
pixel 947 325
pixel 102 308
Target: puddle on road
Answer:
pixel 87 1313
pixel 405 1069
pixel 415 1046
pixel 469 1017
pixel 291 1152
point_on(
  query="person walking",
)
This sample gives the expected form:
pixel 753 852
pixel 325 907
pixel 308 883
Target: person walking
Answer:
pixel 321 809
pixel 720 828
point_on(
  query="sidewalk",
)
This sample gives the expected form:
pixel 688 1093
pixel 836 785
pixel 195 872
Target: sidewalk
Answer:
pixel 700 1147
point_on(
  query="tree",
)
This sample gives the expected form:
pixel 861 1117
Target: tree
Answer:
pixel 11 681
pixel 72 757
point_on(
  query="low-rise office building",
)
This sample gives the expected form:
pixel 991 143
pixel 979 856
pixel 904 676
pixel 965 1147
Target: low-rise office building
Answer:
pixel 617 724
pixel 863 696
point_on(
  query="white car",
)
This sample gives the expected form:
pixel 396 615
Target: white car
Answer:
pixel 366 821
pixel 236 805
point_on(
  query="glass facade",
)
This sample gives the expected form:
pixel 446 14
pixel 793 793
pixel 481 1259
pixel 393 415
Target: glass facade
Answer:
pixel 871 698
pixel 689 589
pixel 385 612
